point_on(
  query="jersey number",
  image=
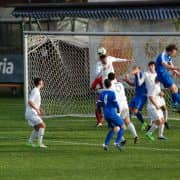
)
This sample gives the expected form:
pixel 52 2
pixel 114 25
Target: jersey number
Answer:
pixel 105 99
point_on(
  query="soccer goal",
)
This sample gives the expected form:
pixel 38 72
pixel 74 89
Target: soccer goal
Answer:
pixel 67 62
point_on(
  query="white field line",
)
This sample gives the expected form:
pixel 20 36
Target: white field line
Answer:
pixel 70 143
pixel 93 116
pixel 126 147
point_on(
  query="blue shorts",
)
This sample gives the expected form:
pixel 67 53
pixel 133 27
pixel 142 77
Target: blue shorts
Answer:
pixel 138 102
pixel 114 121
pixel 166 80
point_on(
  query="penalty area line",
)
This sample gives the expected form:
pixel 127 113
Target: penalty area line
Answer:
pixel 126 147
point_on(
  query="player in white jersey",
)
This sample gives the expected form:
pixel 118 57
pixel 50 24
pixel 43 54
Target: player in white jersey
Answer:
pixel 154 111
pixel 103 67
pixel 123 104
pixel 33 114
pixel 149 78
pixel 107 63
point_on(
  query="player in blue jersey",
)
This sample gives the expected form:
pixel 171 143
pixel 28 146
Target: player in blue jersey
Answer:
pixel 107 100
pixel 140 97
pixel 163 66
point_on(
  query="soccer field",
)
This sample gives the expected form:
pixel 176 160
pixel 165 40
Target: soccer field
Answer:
pixel 74 150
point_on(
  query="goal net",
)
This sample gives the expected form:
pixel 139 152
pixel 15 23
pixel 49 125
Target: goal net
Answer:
pixel 67 63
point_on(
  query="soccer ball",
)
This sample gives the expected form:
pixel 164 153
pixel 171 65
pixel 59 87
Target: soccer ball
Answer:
pixel 101 51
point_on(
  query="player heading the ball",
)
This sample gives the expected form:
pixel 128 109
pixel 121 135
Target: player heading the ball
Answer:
pixel 104 66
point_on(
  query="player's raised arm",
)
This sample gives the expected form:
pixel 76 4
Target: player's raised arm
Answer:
pixel 166 56
pixel 128 80
pixel 176 73
pixel 163 64
pixel 141 80
pixel 170 66
pixel 136 73
pixel 114 59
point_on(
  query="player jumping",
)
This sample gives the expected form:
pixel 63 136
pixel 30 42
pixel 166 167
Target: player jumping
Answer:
pixel 33 114
pixel 103 67
pixel 107 100
pixel 163 65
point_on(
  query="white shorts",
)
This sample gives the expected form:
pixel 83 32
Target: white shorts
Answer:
pixel 33 119
pixel 154 114
pixel 124 112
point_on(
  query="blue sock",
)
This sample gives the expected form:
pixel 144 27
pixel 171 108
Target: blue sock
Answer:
pixel 109 136
pixel 140 117
pixel 119 135
pixel 176 98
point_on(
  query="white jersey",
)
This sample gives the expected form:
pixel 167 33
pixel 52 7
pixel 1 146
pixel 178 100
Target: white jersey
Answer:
pixel 34 97
pixel 99 68
pixel 110 67
pixel 120 94
pixel 155 91
pixel 118 88
pixel 149 79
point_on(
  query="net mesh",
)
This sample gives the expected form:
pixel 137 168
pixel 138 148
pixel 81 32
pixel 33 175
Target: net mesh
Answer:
pixel 67 66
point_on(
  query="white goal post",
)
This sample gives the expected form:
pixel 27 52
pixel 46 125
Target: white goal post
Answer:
pixel 66 61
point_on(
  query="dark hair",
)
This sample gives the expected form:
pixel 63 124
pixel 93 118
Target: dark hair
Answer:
pixel 107 83
pixel 36 81
pixel 102 56
pixel 111 76
pixel 135 66
pixel 171 47
pixel 151 63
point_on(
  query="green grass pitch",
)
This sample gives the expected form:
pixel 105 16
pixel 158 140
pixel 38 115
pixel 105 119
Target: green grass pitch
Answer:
pixel 74 151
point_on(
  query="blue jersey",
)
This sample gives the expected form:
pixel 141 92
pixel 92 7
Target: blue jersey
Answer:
pixel 140 89
pixel 107 100
pixel 160 68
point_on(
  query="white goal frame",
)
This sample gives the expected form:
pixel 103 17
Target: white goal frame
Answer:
pixel 26 33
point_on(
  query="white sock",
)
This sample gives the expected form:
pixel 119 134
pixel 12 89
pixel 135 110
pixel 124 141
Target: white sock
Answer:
pixel 153 127
pixel 40 135
pixel 122 139
pixel 161 130
pixel 32 136
pixel 150 123
pixel 165 113
pixel 132 129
